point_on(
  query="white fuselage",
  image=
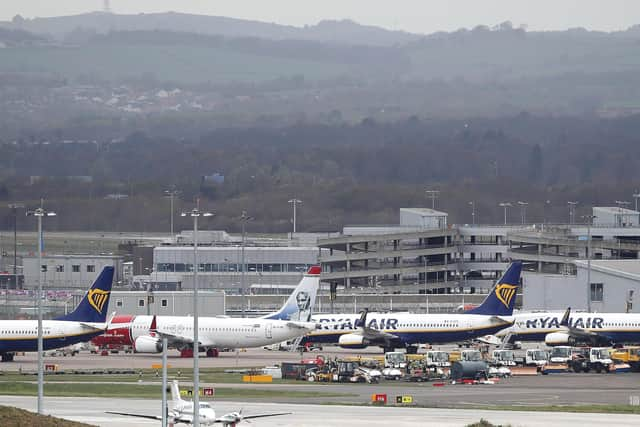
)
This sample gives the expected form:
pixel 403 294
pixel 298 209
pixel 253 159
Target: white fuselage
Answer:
pixel 183 413
pixel 620 327
pixel 22 335
pixel 224 332
pixel 411 328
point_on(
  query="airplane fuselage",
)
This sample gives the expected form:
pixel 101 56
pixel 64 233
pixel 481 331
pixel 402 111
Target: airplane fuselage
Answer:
pixel 617 327
pixel 223 332
pixel 408 327
pixel 22 335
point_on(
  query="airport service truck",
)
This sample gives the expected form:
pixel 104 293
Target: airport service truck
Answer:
pixel 437 359
pixel 596 358
pixel 628 355
pixel 503 358
pixel 465 356
pixel 560 354
pixel 536 357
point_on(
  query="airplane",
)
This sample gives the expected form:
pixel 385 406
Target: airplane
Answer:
pixel 182 412
pixel 395 330
pixel 89 319
pixel 145 333
pixel 595 329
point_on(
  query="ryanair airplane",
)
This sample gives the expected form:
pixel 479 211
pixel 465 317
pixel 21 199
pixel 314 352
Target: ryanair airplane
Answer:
pixel 88 320
pixel 596 329
pixel 395 330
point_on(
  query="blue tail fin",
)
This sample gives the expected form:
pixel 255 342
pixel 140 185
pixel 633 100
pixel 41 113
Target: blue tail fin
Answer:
pixel 502 299
pixel 95 304
pixel 300 304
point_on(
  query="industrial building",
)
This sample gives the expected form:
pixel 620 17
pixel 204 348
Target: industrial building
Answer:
pixel 210 303
pixel 601 285
pixel 68 271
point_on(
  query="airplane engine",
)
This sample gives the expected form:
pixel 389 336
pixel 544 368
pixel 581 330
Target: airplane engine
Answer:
pixel 558 338
pixel 147 344
pixel 352 341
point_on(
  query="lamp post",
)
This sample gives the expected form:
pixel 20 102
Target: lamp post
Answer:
pixel 195 213
pixel 243 220
pixel 636 196
pixel 572 212
pixel 433 195
pixel 171 194
pixel 505 206
pixel 589 219
pixel 39 213
pixel 14 208
pixel 473 212
pixel 523 211
pixel 544 211
pixel 294 202
pixel 621 206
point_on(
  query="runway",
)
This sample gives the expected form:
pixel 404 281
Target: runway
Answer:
pixel 92 411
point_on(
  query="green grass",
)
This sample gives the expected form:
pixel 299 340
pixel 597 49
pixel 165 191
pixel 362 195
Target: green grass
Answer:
pixel 14 417
pixel 146 391
pixel 588 409
pixel 171 62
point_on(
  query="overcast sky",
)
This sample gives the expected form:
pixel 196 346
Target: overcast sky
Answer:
pixel 420 16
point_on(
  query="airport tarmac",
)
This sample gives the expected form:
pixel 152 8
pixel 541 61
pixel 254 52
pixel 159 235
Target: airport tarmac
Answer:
pixel 540 390
pixel 92 411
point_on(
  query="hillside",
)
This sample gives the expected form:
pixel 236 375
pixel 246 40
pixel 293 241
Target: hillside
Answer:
pixel 344 31
pixel 14 417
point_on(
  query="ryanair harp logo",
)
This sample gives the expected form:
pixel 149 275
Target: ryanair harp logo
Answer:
pixel 505 293
pixel 97 298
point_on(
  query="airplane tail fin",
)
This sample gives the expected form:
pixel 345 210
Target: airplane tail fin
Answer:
pixel 502 299
pixel 95 304
pixel 565 317
pixel 175 392
pixel 300 303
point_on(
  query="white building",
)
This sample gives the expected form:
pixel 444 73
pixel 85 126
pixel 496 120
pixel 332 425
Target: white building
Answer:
pixel 220 267
pixel 69 271
pixel 612 216
pixel 612 285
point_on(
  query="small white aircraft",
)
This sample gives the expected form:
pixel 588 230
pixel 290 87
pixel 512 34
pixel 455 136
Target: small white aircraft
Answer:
pixel 182 413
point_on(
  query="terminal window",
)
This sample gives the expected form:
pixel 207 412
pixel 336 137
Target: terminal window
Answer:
pixel 164 302
pixel 91 268
pixel 141 302
pixel 75 268
pixel 597 292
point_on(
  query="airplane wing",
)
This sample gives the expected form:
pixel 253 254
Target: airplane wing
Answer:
pixel 233 418
pixel 100 326
pixel 149 417
pixel 373 335
pixel 582 334
pixel 248 417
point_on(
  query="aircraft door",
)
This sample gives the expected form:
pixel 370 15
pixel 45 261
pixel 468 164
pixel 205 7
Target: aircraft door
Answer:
pixel 268 330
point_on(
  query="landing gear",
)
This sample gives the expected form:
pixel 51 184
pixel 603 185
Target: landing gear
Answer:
pixel 213 352
pixel 412 349
pixel 7 357
pixel 186 353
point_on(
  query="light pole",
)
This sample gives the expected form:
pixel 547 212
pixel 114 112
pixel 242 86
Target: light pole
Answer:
pixel 243 220
pixel 433 195
pixel 14 207
pixel 294 202
pixel 621 206
pixel 195 213
pixel 172 193
pixel 523 211
pixel 589 219
pixel 544 211
pixel 572 212
pixel 505 206
pixel 636 196
pixel 473 212
pixel 39 213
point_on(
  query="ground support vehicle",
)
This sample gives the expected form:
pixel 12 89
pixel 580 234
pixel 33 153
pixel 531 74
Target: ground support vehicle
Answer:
pixel 594 358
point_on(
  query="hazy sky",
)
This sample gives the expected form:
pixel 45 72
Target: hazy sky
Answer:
pixel 423 16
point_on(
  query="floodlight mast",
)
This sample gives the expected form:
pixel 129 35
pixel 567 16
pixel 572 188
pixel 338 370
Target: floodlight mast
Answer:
pixel 195 213
pixel 39 213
